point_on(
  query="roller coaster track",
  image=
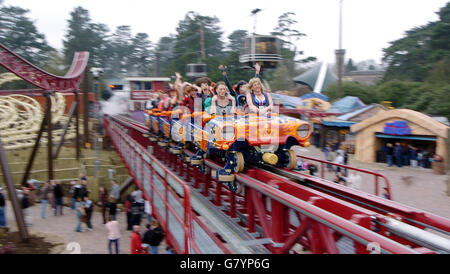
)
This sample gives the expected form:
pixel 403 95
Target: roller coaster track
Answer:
pixel 285 211
pixel 42 79
pixel 21 115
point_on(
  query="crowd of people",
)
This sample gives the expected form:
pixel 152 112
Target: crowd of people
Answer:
pixel 52 195
pixel 220 98
pixel 407 155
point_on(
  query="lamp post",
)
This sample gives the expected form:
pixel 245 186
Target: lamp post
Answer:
pixel 340 54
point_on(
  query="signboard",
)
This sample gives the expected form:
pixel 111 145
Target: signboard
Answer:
pixel 397 128
pixel 141 95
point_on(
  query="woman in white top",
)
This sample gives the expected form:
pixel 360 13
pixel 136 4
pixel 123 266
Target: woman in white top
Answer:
pixel 113 234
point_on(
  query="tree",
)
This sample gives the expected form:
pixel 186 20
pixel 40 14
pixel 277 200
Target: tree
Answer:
pixel 350 67
pixel 141 56
pixel 19 34
pixel 83 35
pixel 288 35
pixel 163 55
pixel 400 93
pixel 281 79
pixel 413 57
pixel 188 44
pixel 363 92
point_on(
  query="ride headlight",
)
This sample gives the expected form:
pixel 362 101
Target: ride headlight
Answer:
pixel 303 131
pixel 228 133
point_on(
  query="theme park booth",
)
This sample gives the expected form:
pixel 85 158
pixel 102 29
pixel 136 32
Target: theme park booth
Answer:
pixel 144 88
pixel 336 130
pixel 405 126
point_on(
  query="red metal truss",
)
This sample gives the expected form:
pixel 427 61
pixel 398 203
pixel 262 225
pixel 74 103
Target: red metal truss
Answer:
pixel 42 79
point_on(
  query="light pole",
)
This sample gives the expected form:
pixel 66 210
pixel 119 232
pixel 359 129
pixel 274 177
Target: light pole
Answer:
pixel 340 54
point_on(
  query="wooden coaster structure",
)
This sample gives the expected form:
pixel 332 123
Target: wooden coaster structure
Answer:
pixel 21 116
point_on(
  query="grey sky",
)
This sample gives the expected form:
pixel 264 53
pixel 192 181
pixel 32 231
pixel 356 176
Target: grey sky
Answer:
pixel 368 25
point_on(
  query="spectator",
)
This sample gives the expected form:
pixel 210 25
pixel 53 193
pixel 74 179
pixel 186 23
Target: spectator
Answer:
pixel 136 241
pixel 115 190
pixel 329 156
pixel 58 193
pixel 84 192
pixel 103 199
pixel 137 210
pixel 88 208
pixel 111 204
pixel 128 203
pixel 113 229
pixel 389 154
pixel 45 190
pixel 398 154
pixel 25 202
pixel 339 160
pixel 31 189
pixel 405 155
pixel 51 195
pixel 413 156
pixel 156 236
pixel 75 191
pixel 146 238
pixel 3 222
pixel 79 213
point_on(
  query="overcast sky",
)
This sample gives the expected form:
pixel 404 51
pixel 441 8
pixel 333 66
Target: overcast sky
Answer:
pixel 368 25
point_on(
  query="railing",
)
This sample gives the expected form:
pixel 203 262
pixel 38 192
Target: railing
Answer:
pixel 376 174
pixel 285 220
pixel 151 176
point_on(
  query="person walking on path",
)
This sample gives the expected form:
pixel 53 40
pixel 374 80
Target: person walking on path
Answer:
pixel 112 205
pixel 115 190
pixel 79 213
pixel 25 202
pixel 398 154
pixel 103 199
pixel 3 222
pixel 88 208
pixel 59 194
pixel 128 202
pixel 45 192
pixel 389 154
pixel 136 241
pixel 51 195
pixel 148 211
pixel 113 229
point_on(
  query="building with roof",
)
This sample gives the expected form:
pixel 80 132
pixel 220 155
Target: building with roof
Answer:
pixel 337 129
pixel 404 126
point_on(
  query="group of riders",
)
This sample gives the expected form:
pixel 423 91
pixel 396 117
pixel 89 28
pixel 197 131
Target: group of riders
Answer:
pixel 218 98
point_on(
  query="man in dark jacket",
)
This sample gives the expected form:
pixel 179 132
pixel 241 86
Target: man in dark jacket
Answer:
pixel 58 194
pixel 154 236
pixel 398 154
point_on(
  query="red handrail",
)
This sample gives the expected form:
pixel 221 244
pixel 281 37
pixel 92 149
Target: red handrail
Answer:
pixel 376 174
pixel 187 224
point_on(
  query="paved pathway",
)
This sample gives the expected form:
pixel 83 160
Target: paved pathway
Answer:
pixel 91 242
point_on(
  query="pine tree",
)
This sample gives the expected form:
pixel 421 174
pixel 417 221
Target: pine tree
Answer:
pixel 19 34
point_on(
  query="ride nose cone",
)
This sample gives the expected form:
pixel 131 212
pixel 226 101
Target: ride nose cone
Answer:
pixel 270 158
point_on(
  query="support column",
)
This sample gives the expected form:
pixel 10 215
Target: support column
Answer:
pixel 13 195
pixel 49 137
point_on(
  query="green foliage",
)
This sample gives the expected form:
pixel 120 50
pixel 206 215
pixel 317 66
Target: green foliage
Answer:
pixel 414 57
pixel 350 66
pixel 365 93
pixel 83 35
pixel 18 33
